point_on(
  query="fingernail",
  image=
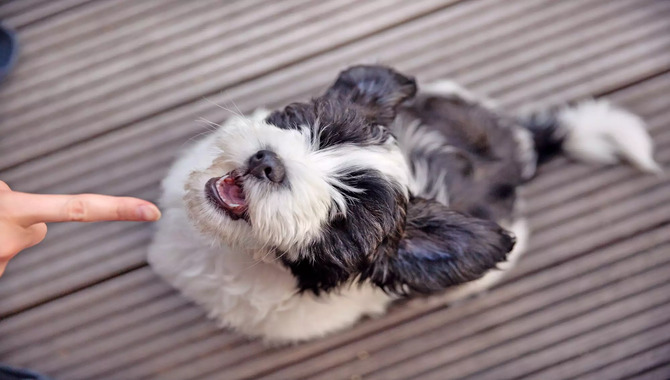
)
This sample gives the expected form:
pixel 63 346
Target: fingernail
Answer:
pixel 149 212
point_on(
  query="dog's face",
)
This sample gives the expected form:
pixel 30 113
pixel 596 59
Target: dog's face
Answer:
pixel 322 188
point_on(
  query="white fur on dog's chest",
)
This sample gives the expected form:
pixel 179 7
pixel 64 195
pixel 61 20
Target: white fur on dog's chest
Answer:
pixel 225 281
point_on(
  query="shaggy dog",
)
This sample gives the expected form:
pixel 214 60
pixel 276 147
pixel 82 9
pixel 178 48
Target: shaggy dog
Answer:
pixel 292 224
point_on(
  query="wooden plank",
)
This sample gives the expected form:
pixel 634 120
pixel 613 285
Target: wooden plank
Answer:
pixel 655 194
pixel 162 361
pixel 558 39
pixel 633 351
pixel 592 241
pixel 616 192
pixel 658 373
pixel 581 345
pixel 39 11
pixel 584 182
pixel 13 7
pixel 90 23
pixel 114 255
pixel 518 81
pixel 104 56
pixel 632 365
pixel 35 317
pixel 20 335
pixel 106 364
pixel 88 346
pixel 603 72
pixel 180 319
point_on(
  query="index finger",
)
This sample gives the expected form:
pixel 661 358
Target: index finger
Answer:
pixel 81 208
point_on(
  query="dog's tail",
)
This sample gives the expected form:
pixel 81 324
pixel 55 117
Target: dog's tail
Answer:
pixel 593 131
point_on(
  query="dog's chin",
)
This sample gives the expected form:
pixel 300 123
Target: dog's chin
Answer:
pixel 228 231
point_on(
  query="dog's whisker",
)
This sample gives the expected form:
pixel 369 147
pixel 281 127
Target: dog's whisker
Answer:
pixel 238 109
pixel 236 113
pixel 195 137
pixel 208 123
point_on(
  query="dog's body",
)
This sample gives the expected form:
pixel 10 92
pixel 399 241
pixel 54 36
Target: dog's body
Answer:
pixel 332 209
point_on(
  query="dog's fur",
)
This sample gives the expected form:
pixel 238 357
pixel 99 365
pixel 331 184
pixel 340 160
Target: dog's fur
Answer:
pixel 385 191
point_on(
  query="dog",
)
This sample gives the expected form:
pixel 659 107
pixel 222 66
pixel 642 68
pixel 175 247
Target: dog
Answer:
pixel 292 224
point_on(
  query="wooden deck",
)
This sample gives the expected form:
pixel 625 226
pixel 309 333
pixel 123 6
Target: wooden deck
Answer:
pixel 106 93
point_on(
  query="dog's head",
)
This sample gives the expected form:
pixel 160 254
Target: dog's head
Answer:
pixel 322 188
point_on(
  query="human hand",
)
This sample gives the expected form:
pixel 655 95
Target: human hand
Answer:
pixel 23 216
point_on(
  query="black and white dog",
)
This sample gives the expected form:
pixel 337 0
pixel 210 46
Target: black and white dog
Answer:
pixel 295 223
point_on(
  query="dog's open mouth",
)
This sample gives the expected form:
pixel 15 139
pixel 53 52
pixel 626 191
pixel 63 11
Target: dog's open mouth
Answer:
pixel 227 193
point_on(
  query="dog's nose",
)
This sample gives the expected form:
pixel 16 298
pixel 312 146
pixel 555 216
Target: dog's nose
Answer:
pixel 266 164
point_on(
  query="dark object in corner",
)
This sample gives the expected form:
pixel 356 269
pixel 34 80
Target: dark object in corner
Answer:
pixel 8 51
pixel 10 373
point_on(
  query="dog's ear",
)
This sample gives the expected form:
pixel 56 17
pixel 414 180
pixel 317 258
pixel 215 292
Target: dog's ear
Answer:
pixel 440 248
pixel 377 89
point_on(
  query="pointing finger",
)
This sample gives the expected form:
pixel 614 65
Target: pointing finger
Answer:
pixel 82 208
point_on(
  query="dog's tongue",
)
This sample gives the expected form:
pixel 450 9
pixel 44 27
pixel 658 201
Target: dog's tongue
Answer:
pixel 227 193
pixel 231 193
